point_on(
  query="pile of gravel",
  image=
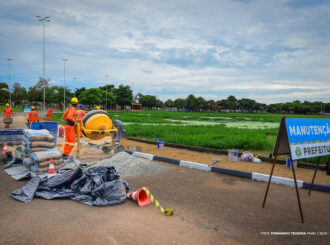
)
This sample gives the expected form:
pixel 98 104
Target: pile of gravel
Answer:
pixel 128 165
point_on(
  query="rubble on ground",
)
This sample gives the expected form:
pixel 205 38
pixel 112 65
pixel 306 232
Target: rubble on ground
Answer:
pixel 128 165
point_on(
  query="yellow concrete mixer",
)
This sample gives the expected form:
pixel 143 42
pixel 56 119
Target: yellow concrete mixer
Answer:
pixel 96 125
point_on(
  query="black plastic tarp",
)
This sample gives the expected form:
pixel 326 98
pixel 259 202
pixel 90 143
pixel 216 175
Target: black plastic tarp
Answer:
pixel 99 186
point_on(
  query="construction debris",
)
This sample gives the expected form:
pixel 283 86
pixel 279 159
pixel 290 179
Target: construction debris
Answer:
pixel 5 157
pixel 99 186
pixel 215 160
pixel 128 165
pixel 248 157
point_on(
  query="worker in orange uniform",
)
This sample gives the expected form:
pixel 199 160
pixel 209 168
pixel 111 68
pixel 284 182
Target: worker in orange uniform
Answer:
pixel 49 112
pixel 8 112
pixel 69 130
pixel 80 115
pixel 33 115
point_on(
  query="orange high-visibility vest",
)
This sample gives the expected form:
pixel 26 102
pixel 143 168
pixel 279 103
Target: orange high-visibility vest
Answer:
pixel 33 116
pixel 80 114
pixel 71 114
pixel 8 112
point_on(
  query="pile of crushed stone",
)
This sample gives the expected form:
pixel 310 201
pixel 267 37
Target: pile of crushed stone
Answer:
pixel 128 165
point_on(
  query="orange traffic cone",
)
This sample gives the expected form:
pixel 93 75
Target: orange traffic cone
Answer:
pixel 140 196
pixel 51 169
pixel 5 149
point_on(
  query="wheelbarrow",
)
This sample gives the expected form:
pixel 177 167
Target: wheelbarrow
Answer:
pixel 7 121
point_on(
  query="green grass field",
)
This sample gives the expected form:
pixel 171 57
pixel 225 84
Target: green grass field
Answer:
pixel 58 117
pixel 163 116
pixel 252 132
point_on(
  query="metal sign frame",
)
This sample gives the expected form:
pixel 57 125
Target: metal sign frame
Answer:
pixel 282 147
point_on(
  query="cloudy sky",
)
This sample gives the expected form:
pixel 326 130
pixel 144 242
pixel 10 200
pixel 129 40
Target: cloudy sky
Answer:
pixel 267 50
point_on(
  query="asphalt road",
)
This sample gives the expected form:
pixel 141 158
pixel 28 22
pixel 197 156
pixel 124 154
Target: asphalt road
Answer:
pixel 209 208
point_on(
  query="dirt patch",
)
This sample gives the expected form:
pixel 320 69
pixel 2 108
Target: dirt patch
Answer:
pixel 207 158
pixel 87 152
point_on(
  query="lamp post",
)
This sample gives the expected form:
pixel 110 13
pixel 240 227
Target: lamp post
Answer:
pixel 106 92
pixel 64 60
pixel 43 20
pixel 9 79
pixel 74 88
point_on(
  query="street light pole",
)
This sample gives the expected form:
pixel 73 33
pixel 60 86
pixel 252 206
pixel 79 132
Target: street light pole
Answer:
pixel 64 60
pixel 75 89
pixel 43 20
pixel 9 79
pixel 106 92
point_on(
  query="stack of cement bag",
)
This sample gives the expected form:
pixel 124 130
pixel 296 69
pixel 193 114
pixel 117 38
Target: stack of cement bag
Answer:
pixel 39 149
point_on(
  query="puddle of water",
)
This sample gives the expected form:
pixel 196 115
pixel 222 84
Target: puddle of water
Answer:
pixel 225 118
pixel 242 124
pixel 143 114
pixel 252 125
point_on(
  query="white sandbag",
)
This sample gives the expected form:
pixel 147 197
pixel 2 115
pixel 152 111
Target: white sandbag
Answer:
pixel 35 149
pixel 41 156
pixel 38 135
pixel 38 144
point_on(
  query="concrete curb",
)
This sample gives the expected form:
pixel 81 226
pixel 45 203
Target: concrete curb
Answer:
pixel 168 160
pixel 318 187
pixel 277 180
pixel 233 172
pixel 143 155
pixel 249 175
pixel 195 165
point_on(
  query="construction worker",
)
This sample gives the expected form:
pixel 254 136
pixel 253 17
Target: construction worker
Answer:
pixel 49 112
pixel 33 115
pixel 98 107
pixel 8 112
pixel 70 136
pixel 80 115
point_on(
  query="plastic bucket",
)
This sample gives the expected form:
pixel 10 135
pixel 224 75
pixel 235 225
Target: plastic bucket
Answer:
pixel 290 162
pixel 51 127
pixel 160 144
pixel 232 155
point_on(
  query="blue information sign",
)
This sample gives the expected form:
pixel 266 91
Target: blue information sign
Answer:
pixel 308 137
pixel 27 109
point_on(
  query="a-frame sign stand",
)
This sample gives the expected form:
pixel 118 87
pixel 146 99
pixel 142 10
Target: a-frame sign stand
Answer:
pixel 282 148
pixel 317 166
pixel 301 138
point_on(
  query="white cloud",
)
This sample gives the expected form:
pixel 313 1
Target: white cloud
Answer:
pixel 175 48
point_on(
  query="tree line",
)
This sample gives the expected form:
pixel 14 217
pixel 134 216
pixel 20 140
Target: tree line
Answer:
pixel 231 104
pixel 107 96
pixel 111 97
